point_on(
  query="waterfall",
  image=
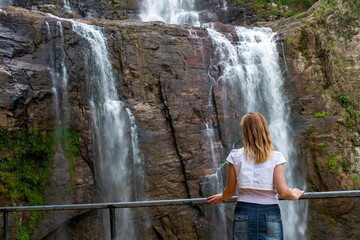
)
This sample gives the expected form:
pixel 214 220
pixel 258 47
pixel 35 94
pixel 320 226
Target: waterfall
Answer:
pixel 251 71
pixel 138 168
pixel 66 6
pixel 59 75
pixel 250 68
pixel 213 184
pixel 111 124
pixel 223 4
pixel 4 3
pixel 170 11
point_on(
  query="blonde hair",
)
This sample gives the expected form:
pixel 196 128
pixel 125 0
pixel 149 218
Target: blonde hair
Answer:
pixel 257 142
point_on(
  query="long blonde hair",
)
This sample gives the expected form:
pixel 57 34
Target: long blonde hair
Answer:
pixel 257 142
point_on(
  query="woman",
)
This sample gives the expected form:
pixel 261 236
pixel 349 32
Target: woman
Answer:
pixel 258 171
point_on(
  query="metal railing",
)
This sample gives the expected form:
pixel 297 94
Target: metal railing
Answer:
pixel 111 206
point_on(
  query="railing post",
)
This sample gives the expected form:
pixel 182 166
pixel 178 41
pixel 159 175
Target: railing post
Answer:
pixel 6 225
pixel 112 223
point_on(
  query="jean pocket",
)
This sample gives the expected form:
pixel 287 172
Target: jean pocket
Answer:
pixel 241 223
pixel 273 226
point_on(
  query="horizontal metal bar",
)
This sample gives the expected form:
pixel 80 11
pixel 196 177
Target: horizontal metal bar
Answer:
pixel 307 195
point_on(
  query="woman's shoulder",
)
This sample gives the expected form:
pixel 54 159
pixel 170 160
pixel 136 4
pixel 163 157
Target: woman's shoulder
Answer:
pixel 237 151
pixel 235 155
pixel 278 157
pixel 277 154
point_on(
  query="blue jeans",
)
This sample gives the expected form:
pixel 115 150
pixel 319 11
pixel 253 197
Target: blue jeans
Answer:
pixel 256 221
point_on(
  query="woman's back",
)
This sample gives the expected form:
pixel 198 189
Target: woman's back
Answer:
pixel 258 172
pixel 255 181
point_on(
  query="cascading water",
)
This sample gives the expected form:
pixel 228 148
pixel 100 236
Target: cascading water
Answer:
pixel 170 11
pixel 138 168
pixel 4 3
pixel 59 75
pixel 223 3
pixel 111 124
pixel 251 69
pixel 212 184
pixel 66 5
pixel 216 216
pixel 118 166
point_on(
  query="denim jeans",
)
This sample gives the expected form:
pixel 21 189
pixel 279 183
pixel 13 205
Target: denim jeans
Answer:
pixel 256 221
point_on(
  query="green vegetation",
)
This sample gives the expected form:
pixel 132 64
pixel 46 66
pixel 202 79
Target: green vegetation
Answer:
pixel 302 45
pixel 313 186
pixel 345 166
pixel 289 40
pixel 345 100
pixel 69 140
pixel 123 33
pixel 332 162
pixel 334 48
pixel 356 180
pixel 344 13
pixel 112 25
pixel 322 114
pixel 326 90
pixel 301 15
pixel 25 166
pixel 332 222
pixel 46 9
pixel 308 132
pixel 318 147
pixel 117 6
pixel 348 103
pixel 37 43
pixel 280 8
pixel 25 169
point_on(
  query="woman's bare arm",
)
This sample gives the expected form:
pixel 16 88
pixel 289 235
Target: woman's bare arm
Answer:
pixel 282 188
pixel 229 190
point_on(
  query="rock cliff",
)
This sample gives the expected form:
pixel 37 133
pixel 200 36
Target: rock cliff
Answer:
pixel 162 73
pixel 322 52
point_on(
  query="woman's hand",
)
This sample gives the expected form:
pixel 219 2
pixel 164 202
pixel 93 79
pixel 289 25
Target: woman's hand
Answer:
pixel 297 193
pixel 215 199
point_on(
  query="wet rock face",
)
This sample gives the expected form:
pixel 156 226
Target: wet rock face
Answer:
pixel 323 58
pixel 27 98
pixel 228 12
pixel 224 11
pixel 161 72
pixel 84 8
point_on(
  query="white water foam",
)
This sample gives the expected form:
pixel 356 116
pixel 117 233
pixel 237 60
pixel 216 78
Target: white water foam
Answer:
pixel 170 11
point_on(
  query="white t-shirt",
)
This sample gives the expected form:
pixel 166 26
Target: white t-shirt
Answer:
pixel 255 181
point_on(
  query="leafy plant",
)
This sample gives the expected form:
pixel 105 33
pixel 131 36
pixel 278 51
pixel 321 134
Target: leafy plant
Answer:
pixel 332 221
pixel 349 104
pixel 345 166
pixel 326 90
pixel 322 114
pixel 25 169
pixel 123 33
pixel 117 6
pixel 332 162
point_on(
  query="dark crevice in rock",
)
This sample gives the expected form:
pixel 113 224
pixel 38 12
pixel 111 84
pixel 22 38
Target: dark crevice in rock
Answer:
pixel 217 116
pixel 317 170
pixel 163 99
pixel 28 80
